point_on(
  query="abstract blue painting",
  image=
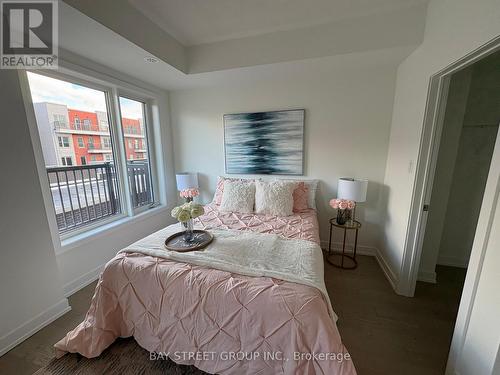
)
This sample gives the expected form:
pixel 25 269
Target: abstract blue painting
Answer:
pixel 264 142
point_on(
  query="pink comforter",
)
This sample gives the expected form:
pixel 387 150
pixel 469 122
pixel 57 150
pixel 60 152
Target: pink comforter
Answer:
pixel 220 322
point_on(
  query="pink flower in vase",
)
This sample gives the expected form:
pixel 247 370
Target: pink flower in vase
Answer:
pixel 343 204
pixel 351 205
pixel 334 203
pixel 189 193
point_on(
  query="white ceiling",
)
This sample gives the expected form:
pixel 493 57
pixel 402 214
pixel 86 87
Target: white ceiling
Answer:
pixel 83 36
pixel 194 22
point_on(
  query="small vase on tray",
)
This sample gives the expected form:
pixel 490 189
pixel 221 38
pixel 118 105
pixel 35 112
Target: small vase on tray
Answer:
pixel 185 214
pixel 188 230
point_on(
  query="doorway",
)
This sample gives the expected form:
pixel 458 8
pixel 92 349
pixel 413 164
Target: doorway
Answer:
pixel 424 183
pixel 468 133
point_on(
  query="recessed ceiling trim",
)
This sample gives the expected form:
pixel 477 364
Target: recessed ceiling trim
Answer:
pixel 121 17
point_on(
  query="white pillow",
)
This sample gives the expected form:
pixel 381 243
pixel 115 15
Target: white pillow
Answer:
pixel 274 198
pixel 312 187
pixel 238 196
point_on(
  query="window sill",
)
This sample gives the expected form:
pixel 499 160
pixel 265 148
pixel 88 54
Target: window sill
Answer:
pixel 103 230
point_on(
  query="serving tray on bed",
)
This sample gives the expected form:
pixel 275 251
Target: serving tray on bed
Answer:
pixel 176 242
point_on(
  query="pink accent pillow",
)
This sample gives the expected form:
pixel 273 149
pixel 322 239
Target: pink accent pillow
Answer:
pixel 300 195
pixel 219 189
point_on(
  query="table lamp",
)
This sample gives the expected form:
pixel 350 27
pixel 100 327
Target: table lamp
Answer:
pixel 352 189
pixel 187 184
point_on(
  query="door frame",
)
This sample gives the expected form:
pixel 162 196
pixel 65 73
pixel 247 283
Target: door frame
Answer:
pixel 426 164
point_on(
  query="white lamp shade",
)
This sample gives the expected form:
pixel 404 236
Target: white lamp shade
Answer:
pixel 186 181
pixel 352 189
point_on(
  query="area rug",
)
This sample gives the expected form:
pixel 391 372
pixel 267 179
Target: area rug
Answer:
pixel 123 357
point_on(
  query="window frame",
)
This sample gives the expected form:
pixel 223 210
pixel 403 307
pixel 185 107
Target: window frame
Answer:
pixel 148 128
pixel 61 143
pixel 112 89
pixel 67 161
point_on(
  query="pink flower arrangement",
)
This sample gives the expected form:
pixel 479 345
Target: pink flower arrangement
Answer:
pixel 189 193
pixel 342 204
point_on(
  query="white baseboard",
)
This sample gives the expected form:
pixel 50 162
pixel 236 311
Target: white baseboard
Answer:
pixel 21 333
pixel 452 261
pixel 82 281
pixel 427 276
pixel 388 272
pixel 369 251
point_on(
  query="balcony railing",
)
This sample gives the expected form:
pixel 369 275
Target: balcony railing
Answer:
pixel 88 193
pixel 140 183
pixel 82 126
pixel 60 124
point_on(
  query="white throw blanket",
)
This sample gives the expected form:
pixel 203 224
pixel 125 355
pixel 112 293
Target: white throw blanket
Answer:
pixel 247 253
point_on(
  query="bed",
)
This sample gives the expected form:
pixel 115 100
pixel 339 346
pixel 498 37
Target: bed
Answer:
pixel 219 321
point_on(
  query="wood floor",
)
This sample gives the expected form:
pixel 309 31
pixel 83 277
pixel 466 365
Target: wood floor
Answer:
pixel 384 333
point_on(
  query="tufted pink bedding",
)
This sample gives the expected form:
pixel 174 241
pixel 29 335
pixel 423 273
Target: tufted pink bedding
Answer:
pixel 302 225
pixel 220 322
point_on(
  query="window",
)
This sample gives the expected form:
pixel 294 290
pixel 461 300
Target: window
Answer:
pixel 59 120
pixel 86 124
pixel 63 141
pixel 81 196
pixel 132 116
pixel 104 186
pixel 66 160
pixel 106 142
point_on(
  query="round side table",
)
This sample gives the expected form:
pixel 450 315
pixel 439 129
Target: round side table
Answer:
pixel 336 258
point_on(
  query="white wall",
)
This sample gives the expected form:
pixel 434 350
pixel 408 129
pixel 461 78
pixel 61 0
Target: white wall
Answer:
pixel 346 129
pixel 453 29
pixel 30 288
